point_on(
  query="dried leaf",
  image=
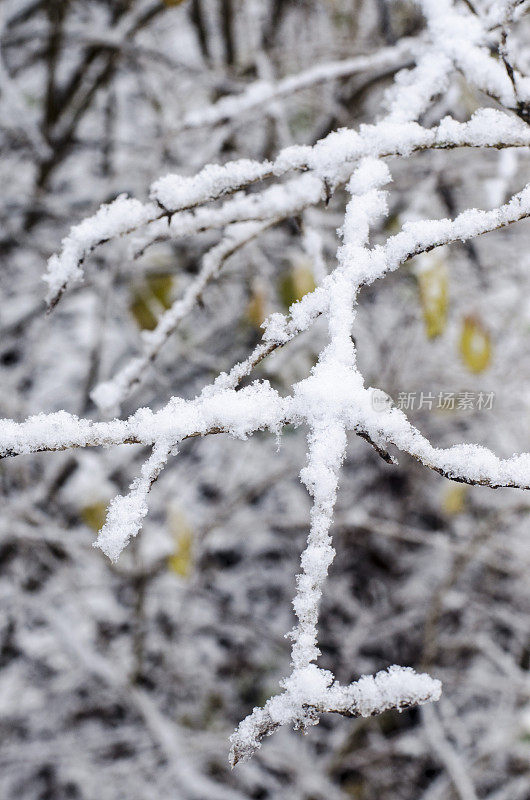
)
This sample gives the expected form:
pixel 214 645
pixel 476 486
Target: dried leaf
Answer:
pixel 475 345
pixel 433 287
pixel 161 287
pixel 181 560
pixel 142 312
pixel 94 515
pixel 150 299
pixel 454 499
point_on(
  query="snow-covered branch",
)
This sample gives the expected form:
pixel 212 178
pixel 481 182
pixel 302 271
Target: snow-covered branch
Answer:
pixel 111 394
pixel 316 693
pixel 332 161
pixel 332 400
pixel 262 92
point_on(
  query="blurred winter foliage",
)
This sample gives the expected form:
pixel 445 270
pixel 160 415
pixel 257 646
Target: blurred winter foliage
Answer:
pixel 309 148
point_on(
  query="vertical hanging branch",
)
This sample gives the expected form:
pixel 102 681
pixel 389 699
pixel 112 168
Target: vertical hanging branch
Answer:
pixel 327 442
pixel 321 400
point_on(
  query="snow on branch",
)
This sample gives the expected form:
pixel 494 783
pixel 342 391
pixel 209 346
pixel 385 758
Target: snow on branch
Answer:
pixel 276 201
pixel 262 92
pixel 331 162
pixel 111 394
pixel 332 400
pixel 112 220
pixel 125 513
pixel 368 266
pixel 255 407
pixel 466 39
pixel 207 414
pixel 316 693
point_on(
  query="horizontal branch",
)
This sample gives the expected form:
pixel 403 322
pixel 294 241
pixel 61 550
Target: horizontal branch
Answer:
pixel 472 464
pixel 332 160
pixel 255 407
pixel 311 692
pixel 464 463
pixel 262 92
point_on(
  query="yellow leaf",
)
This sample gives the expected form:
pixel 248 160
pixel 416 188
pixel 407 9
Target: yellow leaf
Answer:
pixel 475 345
pixel 181 560
pixel 94 515
pixel 433 288
pixel 161 286
pixel 150 299
pixel 295 284
pixel 454 499
pixel 142 312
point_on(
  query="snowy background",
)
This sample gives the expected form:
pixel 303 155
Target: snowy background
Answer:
pixel 126 680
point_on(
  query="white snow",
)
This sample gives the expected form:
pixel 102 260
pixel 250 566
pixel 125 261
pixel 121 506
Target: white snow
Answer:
pixel 332 400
